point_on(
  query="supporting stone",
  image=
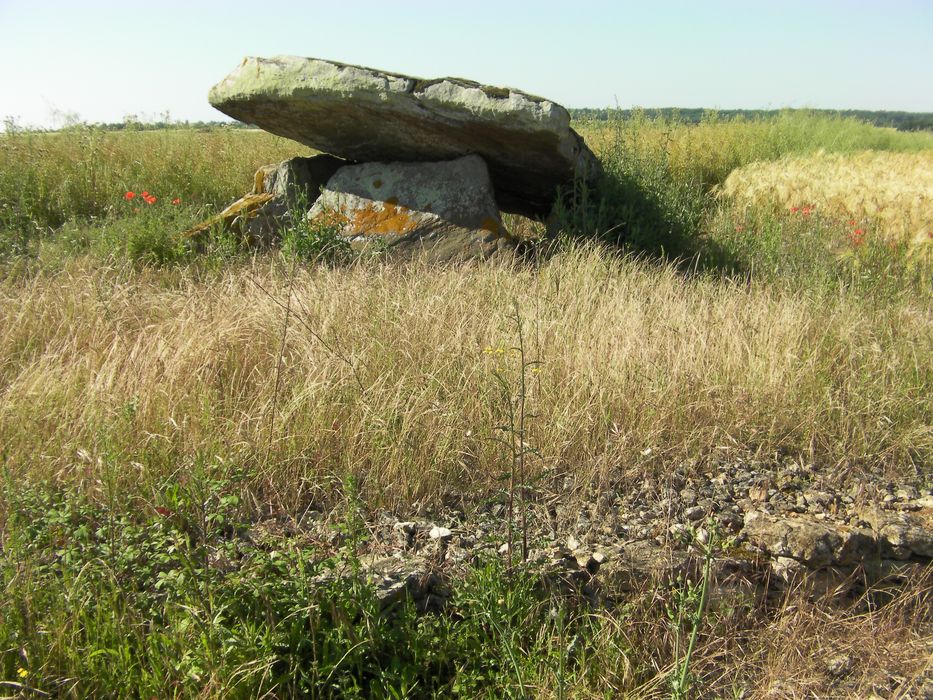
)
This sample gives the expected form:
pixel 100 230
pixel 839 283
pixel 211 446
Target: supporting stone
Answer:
pixel 443 211
pixel 278 190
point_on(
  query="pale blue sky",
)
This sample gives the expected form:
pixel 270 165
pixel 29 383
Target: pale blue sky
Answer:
pixel 103 60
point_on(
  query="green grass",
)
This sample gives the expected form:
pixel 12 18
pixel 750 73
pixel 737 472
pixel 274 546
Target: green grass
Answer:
pixel 165 598
pixel 81 174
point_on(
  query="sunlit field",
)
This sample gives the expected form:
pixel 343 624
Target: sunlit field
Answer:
pixel 888 191
pixel 733 290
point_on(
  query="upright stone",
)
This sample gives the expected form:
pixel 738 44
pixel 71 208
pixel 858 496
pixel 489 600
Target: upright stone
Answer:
pixel 364 114
pixel 445 211
pixel 278 189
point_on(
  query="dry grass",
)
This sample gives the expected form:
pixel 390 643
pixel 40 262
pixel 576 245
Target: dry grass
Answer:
pixel 819 648
pixel 800 644
pixel 114 376
pixel 391 375
pixel 893 190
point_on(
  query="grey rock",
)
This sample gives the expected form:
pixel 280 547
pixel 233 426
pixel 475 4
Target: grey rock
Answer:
pixel 642 562
pixel 297 181
pixel 397 578
pixel 695 513
pixel 818 499
pixel 730 521
pixel 786 568
pixel 390 592
pixel 902 535
pixel 236 216
pixel 365 114
pixel 280 191
pixel 405 533
pixel 840 665
pixel 443 210
pixel 812 543
pixel 590 562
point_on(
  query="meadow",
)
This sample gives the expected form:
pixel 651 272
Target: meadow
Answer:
pixel 709 298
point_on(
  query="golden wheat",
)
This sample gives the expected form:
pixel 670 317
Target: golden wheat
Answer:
pixel 892 190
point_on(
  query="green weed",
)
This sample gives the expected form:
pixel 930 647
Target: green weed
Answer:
pixel 316 241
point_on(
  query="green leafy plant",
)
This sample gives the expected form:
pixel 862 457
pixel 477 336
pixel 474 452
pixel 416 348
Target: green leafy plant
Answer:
pixel 316 240
pixel 688 610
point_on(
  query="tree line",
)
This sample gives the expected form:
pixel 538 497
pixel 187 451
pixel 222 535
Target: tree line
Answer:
pixel 902 121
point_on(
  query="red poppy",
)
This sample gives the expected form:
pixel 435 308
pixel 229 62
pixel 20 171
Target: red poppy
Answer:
pixel 151 199
pixel 164 512
pixel 129 195
pixel 177 200
pixel 794 210
pixel 857 237
pixel 144 194
pixel 851 222
pixel 806 211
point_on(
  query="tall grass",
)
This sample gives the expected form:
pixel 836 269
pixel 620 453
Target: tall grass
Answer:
pixel 154 598
pixel 154 401
pixel 47 179
pixel 385 374
pixel 380 376
pixel 707 152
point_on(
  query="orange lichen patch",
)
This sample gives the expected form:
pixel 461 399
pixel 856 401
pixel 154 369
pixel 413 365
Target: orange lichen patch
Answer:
pixel 243 209
pixel 388 219
pixel 331 218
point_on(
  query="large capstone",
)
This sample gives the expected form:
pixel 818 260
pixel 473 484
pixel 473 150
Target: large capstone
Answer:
pixel 364 114
pixel 445 211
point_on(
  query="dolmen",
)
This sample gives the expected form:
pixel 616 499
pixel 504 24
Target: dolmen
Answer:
pixel 407 166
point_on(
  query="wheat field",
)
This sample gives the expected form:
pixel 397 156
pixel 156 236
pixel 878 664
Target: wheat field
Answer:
pixel 891 191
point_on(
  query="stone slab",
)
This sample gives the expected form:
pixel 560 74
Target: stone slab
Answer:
pixel 444 210
pixel 365 114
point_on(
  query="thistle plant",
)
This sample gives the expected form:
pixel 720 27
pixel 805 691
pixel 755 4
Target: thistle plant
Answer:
pixel 514 392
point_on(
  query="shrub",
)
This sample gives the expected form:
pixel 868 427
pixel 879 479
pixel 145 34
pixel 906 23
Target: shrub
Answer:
pixel 317 240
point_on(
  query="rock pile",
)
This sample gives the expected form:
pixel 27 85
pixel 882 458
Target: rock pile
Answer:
pixel 777 525
pixel 414 166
